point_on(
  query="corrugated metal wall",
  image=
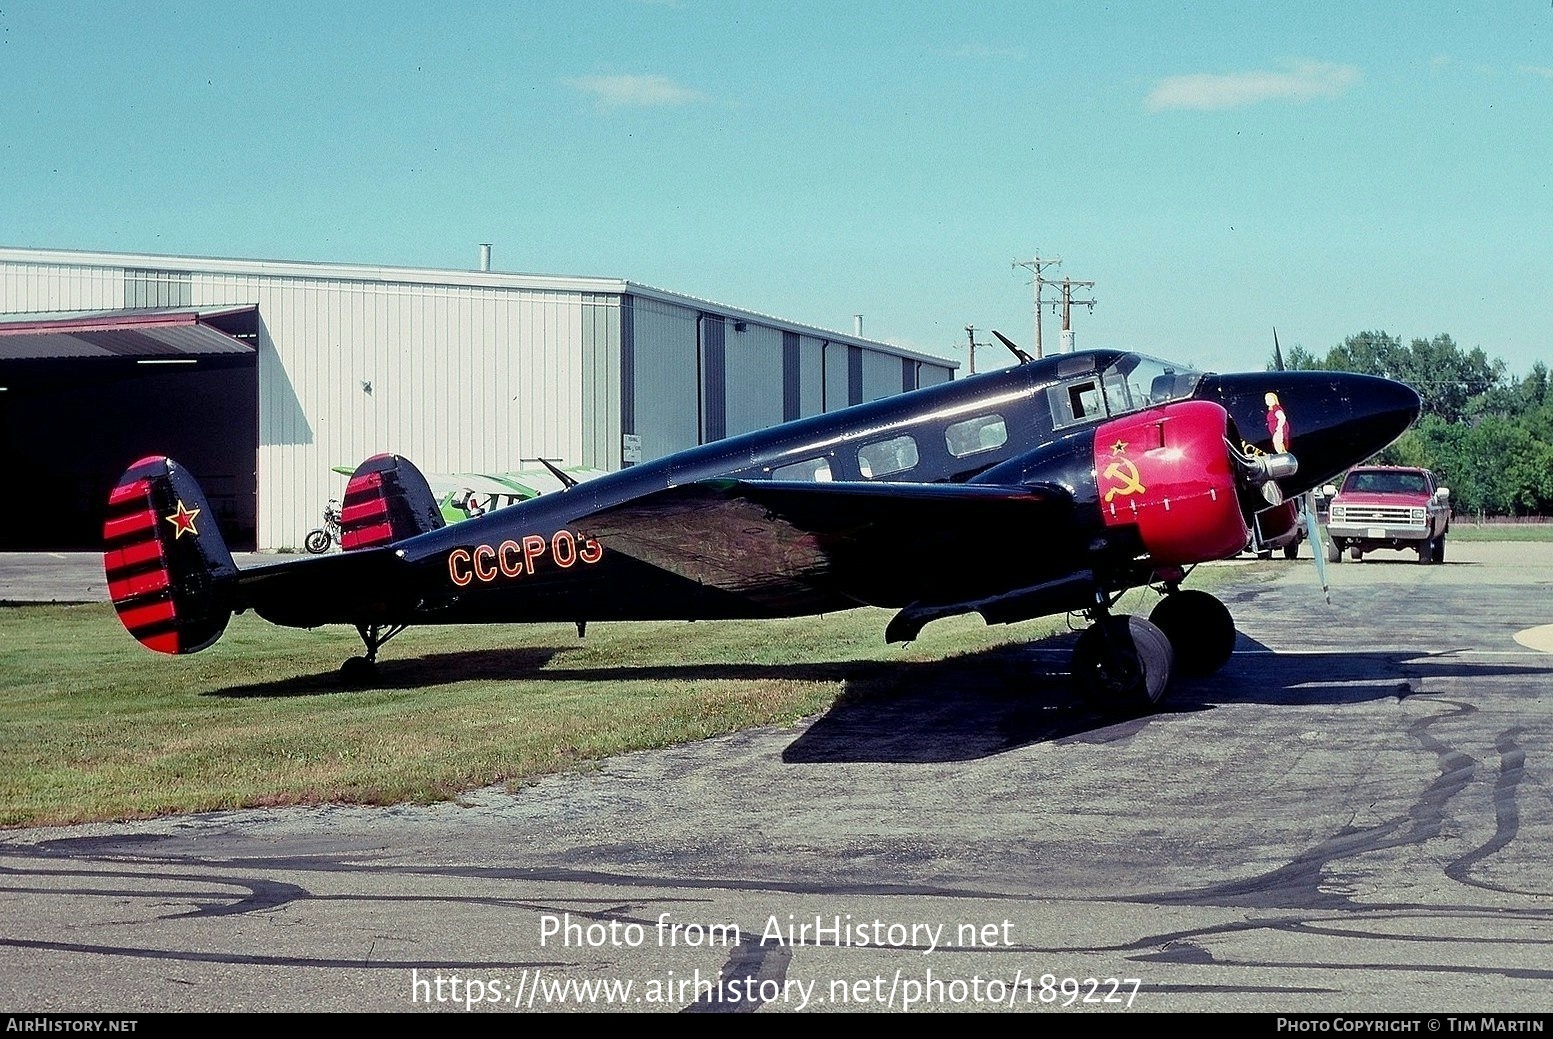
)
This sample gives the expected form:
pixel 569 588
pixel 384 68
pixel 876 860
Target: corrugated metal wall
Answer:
pixel 663 348
pixel 881 375
pixel 835 363
pixel 455 378
pixel 473 378
pixel 933 374
pixel 754 377
pixel 27 288
pixel 811 375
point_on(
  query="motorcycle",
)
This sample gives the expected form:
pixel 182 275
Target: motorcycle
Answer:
pixel 319 539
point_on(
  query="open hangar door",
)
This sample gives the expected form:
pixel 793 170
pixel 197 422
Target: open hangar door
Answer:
pixel 83 397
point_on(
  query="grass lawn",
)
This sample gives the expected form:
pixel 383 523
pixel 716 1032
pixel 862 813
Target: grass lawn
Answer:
pixel 1462 531
pixel 95 727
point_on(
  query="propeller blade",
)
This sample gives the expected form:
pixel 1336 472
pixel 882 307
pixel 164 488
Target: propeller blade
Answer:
pixel 1277 351
pixel 1317 545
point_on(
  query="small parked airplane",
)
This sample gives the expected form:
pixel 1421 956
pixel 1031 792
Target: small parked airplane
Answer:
pixel 1051 486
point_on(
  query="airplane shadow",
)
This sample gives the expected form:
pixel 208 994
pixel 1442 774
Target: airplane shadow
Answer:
pixel 988 703
pixel 422 672
pixel 957 708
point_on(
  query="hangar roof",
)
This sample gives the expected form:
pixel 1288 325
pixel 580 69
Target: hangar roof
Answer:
pixel 139 333
pixel 442 276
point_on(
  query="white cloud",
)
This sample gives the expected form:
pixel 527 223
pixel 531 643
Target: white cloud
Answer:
pixel 1538 70
pixel 1299 81
pixel 636 91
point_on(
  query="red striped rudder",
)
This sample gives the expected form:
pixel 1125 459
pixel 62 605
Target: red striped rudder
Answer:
pixel 169 573
pixel 387 500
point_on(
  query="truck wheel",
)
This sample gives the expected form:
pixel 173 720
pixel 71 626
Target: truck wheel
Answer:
pixel 1356 553
pixel 1426 550
pixel 1291 550
pixel 1334 552
pixel 1439 549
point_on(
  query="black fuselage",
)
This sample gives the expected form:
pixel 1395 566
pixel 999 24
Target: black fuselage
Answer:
pixel 535 561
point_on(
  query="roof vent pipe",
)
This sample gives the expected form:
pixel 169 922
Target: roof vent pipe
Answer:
pixel 857 325
pixel 485 256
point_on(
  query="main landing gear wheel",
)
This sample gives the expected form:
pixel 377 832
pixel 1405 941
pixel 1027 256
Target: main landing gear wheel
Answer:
pixel 359 671
pixel 1122 664
pixel 1200 630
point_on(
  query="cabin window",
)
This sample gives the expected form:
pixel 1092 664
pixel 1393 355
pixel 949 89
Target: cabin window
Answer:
pixel 813 470
pixel 976 434
pixel 887 457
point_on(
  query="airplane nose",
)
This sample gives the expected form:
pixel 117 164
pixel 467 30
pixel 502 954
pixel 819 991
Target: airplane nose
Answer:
pixel 1336 419
pixel 1379 411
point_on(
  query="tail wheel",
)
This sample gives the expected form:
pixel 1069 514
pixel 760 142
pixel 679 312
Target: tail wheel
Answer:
pixel 1200 629
pixel 1122 664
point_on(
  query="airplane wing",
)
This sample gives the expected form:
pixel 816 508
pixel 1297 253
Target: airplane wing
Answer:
pixel 873 543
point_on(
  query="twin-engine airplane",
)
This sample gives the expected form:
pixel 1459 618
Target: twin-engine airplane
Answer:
pixel 1053 486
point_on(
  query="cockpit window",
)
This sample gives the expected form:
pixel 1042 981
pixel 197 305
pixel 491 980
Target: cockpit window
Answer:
pixel 1078 400
pixel 1148 381
pixel 1131 383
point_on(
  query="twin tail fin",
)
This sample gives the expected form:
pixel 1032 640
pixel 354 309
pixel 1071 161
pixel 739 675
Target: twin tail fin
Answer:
pixel 170 575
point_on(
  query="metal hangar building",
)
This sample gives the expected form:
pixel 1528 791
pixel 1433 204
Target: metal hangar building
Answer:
pixel 260 376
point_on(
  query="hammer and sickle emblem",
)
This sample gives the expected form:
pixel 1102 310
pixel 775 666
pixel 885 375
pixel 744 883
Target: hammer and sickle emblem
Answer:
pixel 1126 473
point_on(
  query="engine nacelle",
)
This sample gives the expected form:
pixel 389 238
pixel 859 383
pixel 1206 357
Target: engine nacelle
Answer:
pixel 1168 472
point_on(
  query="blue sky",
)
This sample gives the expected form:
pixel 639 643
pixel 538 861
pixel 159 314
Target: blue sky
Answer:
pixel 1216 168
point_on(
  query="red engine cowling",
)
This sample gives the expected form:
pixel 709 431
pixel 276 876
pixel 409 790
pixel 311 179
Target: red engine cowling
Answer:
pixel 1168 472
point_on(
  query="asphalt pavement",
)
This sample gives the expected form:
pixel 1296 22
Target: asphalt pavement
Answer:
pixel 1352 816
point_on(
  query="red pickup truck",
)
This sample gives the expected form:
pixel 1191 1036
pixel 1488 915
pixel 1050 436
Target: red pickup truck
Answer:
pixel 1389 507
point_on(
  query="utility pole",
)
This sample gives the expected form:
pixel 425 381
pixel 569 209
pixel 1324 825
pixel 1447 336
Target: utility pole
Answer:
pixel 970 335
pixel 1035 267
pixel 1067 306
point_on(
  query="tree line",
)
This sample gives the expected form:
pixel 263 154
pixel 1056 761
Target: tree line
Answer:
pixel 1486 435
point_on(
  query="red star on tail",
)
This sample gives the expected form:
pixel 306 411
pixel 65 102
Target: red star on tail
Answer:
pixel 183 521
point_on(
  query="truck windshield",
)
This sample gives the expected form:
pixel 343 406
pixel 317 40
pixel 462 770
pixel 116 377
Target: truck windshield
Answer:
pixel 1385 483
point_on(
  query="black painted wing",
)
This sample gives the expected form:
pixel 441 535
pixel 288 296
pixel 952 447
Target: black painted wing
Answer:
pixel 884 544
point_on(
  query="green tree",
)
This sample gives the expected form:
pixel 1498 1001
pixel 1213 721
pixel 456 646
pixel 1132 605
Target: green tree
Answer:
pixel 1447 378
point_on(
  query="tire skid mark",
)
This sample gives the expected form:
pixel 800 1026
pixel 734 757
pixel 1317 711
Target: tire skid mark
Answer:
pixel 1507 816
